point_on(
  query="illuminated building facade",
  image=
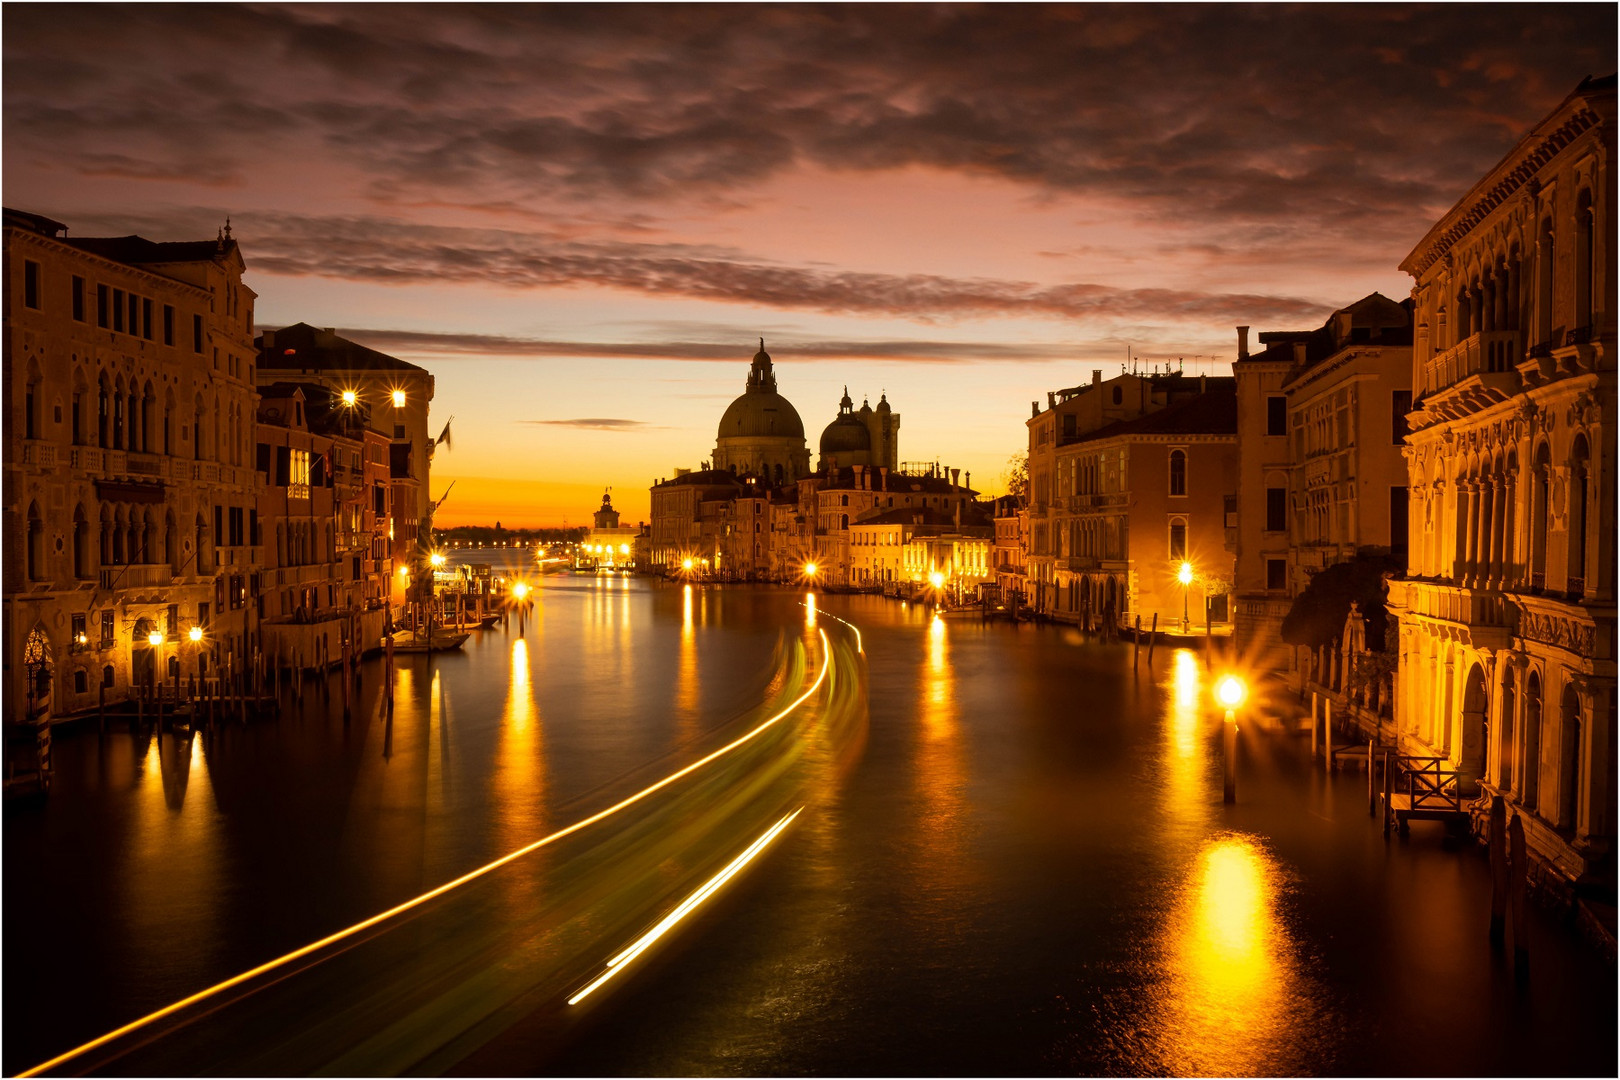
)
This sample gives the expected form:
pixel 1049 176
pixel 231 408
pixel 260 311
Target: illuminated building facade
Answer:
pixel 1137 500
pixel 397 396
pixel 609 544
pixel 1507 607
pixel 1321 469
pixel 1012 541
pixel 130 492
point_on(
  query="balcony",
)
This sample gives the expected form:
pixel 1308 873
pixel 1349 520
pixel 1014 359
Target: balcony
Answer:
pixel 137 576
pixel 38 452
pixel 1496 352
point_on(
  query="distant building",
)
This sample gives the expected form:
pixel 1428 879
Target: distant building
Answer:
pixel 1507 607
pixel 1321 467
pixel 130 491
pixel 1012 541
pixel 607 543
pixel 869 438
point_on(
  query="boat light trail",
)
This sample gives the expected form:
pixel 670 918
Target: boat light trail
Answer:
pixel 860 647
pixel 417 901
pixel 687 906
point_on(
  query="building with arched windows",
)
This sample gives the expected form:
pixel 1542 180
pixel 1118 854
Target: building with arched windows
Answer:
pixel 131 493
pixel 1507 607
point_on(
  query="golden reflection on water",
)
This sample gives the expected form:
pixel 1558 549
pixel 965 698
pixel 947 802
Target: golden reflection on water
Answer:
pixel 520 767
pixel 1228 1003
pixel 810 610
pixel 686 675
pixel 941 775
pixel 1186 784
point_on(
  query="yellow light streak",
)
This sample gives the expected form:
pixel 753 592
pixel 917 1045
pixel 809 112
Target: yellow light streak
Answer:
pixel 687 906
pixel 418 901
pixel 860 645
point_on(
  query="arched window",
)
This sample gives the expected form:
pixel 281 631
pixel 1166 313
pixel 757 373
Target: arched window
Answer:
pixel 1577 516
pixel 118 415
pixel 1119 395
pixel 1540 489
pixel 1178 472
pixel 81 543
pixel 103 413
pixel 36 543
pixel 1178 539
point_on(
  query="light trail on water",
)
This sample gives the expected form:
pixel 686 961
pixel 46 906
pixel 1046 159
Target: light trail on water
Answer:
pixel 417 901
pixel 687 906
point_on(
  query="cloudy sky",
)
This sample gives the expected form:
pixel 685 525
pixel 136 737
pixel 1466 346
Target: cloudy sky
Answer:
pixel 582 218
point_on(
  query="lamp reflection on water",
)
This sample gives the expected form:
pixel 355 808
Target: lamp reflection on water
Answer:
pixel 519 781
pixel 1233 1002
pixel 1185 781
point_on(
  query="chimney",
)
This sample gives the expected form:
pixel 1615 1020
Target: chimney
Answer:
pixel 967 480
pixel 1203 384
pixel 269 339
pixel 1243 342
pixel 1096 376
pixel 956 474
pixel 1051 399
pixel 883 477
pixel 1299 353
pixel 1034 409
pixel 1342 322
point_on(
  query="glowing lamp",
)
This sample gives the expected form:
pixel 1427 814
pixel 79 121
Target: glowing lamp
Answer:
pixel 350 397
pixel 686 564
pixel 399 399
pixel 809 569
pixel 624 549
pixel 520 590
pixel 1230 691
pixel 1185 574
pixel 403 571
pixel 437 558
pixel 195 633
pixel 154 639
pixel 936 579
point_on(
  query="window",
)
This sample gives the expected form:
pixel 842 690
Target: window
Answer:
pixel 1400 404
pixel 81 682
pixel 1398 519
pixel 399 431
pixel 134 314
pixel 1178 472
pixel 101 306
pixel 81 638
pixel 1276 574
pixel 118 310
pixel 29 431
pixel 1178 540
pixel 202 615
pixel 1276 509
pixel 146 319
pixel 107 676
pixel 107 637
pixel 1276 415
pixel 168 324
pixel 31 284
pixel 196 334
pixel 1230 507
pixel 1119 395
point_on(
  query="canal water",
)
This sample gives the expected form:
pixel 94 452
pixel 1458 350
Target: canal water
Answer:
pixel 1010 857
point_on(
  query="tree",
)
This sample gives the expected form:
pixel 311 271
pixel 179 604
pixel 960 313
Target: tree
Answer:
pixel 1318 614
pixel 1017 477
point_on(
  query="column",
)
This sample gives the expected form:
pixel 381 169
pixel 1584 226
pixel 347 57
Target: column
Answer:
pixel 1482 532
pixel 1599 739
pixel 1459 530
pixel 1513 300
pixel 1512 572
pixel 1467 530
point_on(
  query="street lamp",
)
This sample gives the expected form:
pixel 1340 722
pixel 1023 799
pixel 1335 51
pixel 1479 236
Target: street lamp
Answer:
pixel 350 397
pixel 1185 576
pixel 195 634
pixel 1230 692
pixel 436 559
pixel 398 398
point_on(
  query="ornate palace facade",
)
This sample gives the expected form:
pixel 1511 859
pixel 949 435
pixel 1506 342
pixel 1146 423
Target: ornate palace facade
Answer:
pixel 1507 609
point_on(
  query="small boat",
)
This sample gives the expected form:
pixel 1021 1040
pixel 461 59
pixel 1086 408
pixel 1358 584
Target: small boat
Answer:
pixel 441 640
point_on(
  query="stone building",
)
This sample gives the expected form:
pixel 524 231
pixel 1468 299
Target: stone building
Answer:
pixel 609 543
pixel 1070 414
pixel 1321 471
pixel 760 433
pixel 869 438
pixel 1012 541
pixel 1507 607
pixel 689 516
pixel 1135 501
pixel 397 396
pixel 129 488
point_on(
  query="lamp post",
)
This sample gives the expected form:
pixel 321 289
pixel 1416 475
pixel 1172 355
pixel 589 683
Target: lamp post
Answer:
pixel 1185 576
pixel 1230 692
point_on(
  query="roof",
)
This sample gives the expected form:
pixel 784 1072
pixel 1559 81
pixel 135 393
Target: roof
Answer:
pixel 302 347
pixel 1210 413
pixel 846 480
pixel 137 250
pixel 39 223
pixel 1375 319
pixel 916 515
pixel 703 477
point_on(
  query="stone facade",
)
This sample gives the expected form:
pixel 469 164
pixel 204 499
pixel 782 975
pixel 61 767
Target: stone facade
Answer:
pixel 1507 607
pixel 130 495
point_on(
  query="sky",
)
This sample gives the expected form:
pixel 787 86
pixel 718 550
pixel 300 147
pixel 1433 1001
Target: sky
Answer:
pixel 582 219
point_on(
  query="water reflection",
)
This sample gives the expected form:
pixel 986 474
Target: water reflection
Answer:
pixel 1229 1002
pixel 1187 792
pixel 940 768
pixel 686 672
pixel 520 780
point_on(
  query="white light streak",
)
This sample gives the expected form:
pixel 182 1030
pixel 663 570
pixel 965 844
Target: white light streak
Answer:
pixel 687 906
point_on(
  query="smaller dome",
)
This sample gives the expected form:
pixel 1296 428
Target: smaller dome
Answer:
pixel 883 403
pixel 846 435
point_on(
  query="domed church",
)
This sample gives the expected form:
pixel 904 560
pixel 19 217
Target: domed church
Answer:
pixel 761 433
pixel 870 437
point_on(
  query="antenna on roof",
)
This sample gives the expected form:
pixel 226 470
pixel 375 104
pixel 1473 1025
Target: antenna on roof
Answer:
pixel 227 226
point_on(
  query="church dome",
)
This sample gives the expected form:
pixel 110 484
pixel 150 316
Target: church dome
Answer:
pixel 847 434
pixel 761 411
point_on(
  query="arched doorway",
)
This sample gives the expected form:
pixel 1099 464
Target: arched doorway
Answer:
pixel 39 663
pixel 143 658
pixel 1475 732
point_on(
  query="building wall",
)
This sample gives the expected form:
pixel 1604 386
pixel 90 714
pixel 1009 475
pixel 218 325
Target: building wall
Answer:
pixel 1506 612
pixel 1261 587
pixel 157 507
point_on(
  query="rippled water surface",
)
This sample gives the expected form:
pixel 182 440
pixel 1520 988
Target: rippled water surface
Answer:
pixel 1012 858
